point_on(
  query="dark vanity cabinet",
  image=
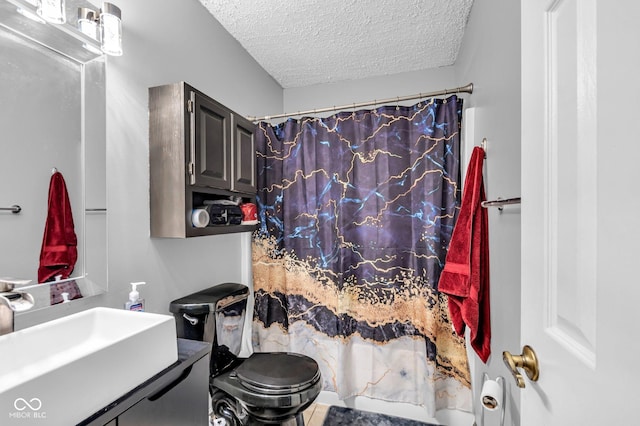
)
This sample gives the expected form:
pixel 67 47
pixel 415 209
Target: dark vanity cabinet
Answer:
pixel 200 151
pixel 177 395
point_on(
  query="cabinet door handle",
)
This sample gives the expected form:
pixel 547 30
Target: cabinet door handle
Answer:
pixel 192 171
pixel 173 384
pixel 192 137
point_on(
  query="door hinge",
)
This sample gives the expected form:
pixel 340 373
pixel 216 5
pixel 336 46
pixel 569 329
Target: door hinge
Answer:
pixel 190 106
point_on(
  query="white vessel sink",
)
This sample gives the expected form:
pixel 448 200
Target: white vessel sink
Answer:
pixel 67 369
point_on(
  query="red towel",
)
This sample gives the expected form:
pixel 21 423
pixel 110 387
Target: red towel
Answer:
pixel 59 245
pixel 465 277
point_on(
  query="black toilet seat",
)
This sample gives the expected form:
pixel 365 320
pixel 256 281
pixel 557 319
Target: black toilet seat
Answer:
pixel 278 373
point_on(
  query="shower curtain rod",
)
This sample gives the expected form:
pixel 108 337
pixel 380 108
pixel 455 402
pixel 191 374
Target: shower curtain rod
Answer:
pixel 462 89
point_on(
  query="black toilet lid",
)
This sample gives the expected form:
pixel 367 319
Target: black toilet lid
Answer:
pixel 278 372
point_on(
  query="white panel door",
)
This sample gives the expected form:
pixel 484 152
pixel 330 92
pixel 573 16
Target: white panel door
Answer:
pixel 580 211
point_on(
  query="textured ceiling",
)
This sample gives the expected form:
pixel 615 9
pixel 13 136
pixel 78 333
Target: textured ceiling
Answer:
pixel 306 42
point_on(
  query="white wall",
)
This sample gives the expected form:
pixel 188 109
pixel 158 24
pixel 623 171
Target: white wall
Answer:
pixel 364 90
pixel 490 58
pixel 178 40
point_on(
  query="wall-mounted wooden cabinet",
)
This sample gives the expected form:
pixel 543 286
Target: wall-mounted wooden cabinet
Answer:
pixel 222 148
pixel 199 151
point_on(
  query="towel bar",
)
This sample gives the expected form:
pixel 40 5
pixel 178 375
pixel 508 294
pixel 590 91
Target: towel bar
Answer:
pixel 13 209
pixel 499 202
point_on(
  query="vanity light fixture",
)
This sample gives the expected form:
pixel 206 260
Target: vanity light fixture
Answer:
pixel 104 25
pixel 51 11
pixel 111 29
pixel 88 22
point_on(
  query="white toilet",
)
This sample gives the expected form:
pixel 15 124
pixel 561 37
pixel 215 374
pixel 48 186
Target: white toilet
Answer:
pixel 265 388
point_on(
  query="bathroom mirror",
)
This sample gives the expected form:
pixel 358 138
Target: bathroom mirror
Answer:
pixel 52 116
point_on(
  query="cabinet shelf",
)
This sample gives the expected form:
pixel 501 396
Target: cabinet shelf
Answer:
pixel 198 150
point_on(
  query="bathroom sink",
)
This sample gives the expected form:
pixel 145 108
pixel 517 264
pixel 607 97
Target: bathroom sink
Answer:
pixel 67 369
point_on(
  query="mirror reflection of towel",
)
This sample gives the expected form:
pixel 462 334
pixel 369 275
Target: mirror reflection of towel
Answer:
pixel 59 251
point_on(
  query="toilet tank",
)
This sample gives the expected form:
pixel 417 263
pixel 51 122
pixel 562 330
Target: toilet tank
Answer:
pixel 214 315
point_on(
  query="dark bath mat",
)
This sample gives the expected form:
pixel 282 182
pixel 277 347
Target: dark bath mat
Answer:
pixel 348 416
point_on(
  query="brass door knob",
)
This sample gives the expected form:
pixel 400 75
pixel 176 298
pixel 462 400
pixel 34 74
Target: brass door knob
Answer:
pixel 527 361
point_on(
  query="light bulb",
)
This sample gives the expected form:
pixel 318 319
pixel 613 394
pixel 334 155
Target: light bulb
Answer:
pixel 111 29
pixel 88 22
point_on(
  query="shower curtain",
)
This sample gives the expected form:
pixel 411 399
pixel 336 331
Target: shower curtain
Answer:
pixel 356 212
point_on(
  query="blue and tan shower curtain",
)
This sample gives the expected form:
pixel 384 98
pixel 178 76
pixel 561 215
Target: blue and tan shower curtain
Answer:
pixel 356 212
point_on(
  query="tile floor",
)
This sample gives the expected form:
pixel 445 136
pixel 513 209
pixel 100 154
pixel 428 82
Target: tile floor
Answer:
pixel 315 414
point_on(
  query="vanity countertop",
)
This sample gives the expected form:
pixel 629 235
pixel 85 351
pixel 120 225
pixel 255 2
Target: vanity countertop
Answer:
pixel 189 352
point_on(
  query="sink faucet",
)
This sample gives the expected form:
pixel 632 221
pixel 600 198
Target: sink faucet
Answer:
pixel 11 302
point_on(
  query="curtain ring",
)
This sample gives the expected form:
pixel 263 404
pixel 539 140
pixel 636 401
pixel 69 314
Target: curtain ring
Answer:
pixel 397 103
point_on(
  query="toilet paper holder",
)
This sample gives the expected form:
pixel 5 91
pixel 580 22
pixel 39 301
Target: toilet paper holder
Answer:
pixel 491 404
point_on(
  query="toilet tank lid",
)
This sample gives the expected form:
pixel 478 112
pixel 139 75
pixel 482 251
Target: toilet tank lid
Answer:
pixel 204 301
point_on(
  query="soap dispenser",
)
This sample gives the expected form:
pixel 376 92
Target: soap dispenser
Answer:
pixel 135 303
